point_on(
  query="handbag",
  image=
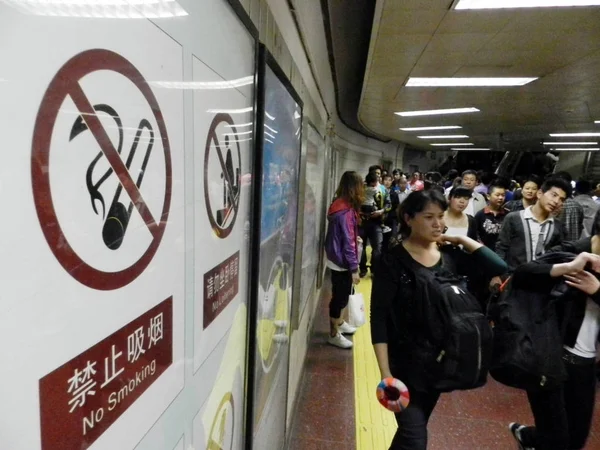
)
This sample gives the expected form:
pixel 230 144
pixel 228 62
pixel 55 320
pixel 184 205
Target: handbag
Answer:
pixel 356 309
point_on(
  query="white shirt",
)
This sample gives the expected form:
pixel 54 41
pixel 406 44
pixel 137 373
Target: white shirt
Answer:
pixel 469 210
pixel 585 345
pixel 538 229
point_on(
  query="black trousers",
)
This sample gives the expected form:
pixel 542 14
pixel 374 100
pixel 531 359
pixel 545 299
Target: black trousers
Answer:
pixel 412 422
pixel 371 230
pixel 341 288
pixel 563 416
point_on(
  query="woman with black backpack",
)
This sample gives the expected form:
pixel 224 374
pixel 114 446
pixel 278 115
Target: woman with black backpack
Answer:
pixel 421 310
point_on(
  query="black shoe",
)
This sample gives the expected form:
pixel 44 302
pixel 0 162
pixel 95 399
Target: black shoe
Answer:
pixel 362 273
pixel 515 429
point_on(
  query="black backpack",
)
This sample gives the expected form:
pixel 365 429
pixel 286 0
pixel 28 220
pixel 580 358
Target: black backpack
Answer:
pixel 454 342
pixel 528 336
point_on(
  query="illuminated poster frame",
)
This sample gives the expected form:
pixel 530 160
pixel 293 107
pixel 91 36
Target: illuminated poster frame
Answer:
pixel 274 243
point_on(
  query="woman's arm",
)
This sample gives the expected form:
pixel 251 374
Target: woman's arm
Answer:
pixel 482 257
pixel 381 353
pixel 385 287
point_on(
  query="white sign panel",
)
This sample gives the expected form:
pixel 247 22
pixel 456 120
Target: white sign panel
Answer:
pixel 93 260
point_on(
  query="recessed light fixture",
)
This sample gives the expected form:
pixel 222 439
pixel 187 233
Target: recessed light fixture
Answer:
pixel 574 134
pixel 495 4
pixel 577 149
pixel 451 144
pixel 433 112
pixel 468 82
pixel 570 143
pixel 445 127
pixel 446 136
pixel 472 149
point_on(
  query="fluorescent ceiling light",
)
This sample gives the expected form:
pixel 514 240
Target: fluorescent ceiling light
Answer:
pixel 467 82
pixel 578 149
pixel 208 85
pixel 570 143
pixel 270 135
pixel 269 116
pixel 574 134
pixel 472 149
pixel 433 112
pixel 446 127
pixel 230 111
pixel 499 4
pixel 100 9
pixel 447 136
pixel 596 121
pixel 451 144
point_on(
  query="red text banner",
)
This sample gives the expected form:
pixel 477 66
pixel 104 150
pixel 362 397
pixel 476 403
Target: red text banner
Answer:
pixel 81 399
pixel 221 285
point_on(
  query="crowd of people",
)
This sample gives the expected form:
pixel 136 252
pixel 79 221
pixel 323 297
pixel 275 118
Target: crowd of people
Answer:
pixel 481 229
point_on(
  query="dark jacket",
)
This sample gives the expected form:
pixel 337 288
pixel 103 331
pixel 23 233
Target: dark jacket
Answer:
pixel 341 243
pixel 394 316
pixel 514 242
pixel 577 312
pixel 536 275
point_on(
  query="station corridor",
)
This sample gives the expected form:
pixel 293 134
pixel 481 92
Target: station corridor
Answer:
pixel 338 408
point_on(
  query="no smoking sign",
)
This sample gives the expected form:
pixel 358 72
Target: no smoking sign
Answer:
pixel 112 161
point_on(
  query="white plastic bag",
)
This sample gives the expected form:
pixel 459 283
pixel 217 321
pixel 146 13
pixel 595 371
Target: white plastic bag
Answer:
pixel 356 310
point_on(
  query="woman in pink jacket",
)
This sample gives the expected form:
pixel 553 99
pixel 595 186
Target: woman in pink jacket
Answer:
pixel 343 252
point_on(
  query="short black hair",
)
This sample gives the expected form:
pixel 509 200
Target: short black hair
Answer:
pixel 469 172
pixel 387 175
pixel 460 191
pixel 374 167
pixel 533 179
pixel 397 172
pixel 452 174
pixel 415 203
pixel 371 177
pixel 559 183
pixel 496 184
pixel 583 187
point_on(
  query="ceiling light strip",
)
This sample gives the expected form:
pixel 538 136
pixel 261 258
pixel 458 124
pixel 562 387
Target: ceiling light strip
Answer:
pixel 452 144
pixel 444 127
pixel 577 149
pixel 447 136
pixel 495 4
pixel 570 143
pixel 468 82
pixel 434 112
pixel 586 134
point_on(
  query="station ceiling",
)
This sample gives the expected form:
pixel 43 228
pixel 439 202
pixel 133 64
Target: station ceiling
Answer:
pixel 418 38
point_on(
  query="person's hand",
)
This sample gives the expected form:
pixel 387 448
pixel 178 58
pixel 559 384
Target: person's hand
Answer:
pixel 584 281
pixel 359 239
pixel 355 278
pixel 378 213
pixel 447 239
pixel 495 282
pixel 583 259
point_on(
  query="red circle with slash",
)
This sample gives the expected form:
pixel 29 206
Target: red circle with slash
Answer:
pixel 66 84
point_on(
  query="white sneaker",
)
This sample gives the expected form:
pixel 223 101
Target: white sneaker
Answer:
pixel 339 341
pixel 385 229
pixel 346 328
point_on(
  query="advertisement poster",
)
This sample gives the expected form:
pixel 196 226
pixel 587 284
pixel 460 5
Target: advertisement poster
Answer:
pixel 313 213
pixel 281 161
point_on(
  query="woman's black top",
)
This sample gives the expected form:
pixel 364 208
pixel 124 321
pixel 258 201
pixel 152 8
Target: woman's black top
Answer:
pixel 392 300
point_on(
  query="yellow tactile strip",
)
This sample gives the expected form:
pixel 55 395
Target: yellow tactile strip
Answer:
pixel 375 426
